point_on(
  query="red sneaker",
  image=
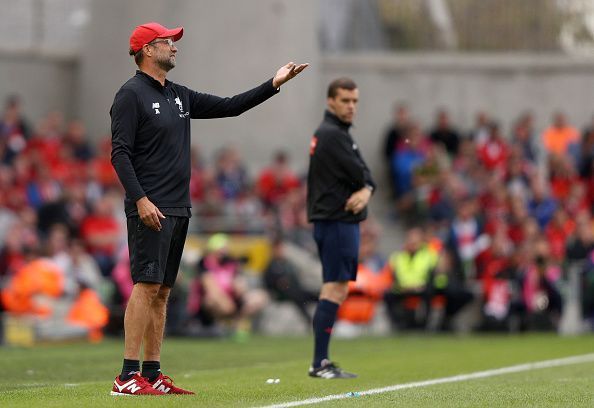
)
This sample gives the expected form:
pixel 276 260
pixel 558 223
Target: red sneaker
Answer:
pixel 137 385
pixel 164 384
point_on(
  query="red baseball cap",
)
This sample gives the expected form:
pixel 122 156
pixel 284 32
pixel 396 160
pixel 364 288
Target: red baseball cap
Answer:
pixel 145 33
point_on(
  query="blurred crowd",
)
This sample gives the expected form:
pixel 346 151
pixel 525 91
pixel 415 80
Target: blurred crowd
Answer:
pixel 497 217
pixel 62 218
pixel 494 221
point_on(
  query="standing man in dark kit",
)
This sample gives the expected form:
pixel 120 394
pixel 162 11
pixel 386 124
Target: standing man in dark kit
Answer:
pixel 150 124
pixel 339 189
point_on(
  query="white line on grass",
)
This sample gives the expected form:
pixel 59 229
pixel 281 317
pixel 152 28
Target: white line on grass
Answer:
pixel 585 358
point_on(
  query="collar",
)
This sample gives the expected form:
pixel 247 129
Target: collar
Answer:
pixel 329 116
pixel 149 79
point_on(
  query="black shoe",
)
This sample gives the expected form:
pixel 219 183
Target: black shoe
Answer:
pixel 329 370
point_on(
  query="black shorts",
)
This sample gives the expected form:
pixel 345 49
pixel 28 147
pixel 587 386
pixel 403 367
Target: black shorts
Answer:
pixel 338 246
pixel 155 255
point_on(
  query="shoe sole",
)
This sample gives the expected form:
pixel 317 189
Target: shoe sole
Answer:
pixel 115 393
pixel 333 378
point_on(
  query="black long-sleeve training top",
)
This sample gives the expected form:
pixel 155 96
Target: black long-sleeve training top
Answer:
pixel 150 127
pixel 336 171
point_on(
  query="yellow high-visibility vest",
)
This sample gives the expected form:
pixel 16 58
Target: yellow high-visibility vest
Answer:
pixel 413 271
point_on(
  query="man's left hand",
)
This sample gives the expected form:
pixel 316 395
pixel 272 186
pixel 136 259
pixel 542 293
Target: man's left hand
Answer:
pixel 358 200
pixel 287 72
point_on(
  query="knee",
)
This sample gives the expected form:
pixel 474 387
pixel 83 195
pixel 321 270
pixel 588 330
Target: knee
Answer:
pixel 148 291
pixel 162 295
pixel 336 293
pixel 342 295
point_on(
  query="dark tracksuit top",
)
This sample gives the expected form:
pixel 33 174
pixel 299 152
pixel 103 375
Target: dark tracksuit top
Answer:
pixel 150 127
pixel 336 171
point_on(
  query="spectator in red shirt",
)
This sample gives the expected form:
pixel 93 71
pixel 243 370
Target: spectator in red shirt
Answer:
pixel 200 176
pixel 496 278
pixel 47 138
pixel 275 181
pixel 558 231
pixel 494 152
pixel 101 233
pixel 494 201
pixel 101 168
pixel 563 176
pixel 67 168
pixel 13 195
pixel 517 216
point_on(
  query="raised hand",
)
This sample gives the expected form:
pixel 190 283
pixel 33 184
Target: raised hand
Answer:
pixel 287 72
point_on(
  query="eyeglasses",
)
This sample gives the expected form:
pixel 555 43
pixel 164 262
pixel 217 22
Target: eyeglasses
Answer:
pixel 168 41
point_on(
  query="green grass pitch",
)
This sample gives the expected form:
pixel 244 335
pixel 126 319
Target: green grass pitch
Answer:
pixel 225 373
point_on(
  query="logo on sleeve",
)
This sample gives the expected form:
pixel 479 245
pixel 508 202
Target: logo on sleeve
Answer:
pixel 156 107
pixel 312 145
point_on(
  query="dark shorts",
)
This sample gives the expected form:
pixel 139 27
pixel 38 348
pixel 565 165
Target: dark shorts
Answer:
pixel 155 255
pixel 338 246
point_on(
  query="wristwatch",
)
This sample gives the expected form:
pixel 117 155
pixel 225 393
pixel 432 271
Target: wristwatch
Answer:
pixel 369 187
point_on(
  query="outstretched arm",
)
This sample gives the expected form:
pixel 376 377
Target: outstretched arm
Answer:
pixel 206 106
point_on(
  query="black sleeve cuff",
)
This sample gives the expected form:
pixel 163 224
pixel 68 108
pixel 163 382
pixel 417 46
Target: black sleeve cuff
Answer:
pixel 274 90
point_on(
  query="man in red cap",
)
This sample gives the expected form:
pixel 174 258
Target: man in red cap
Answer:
pixel 150 124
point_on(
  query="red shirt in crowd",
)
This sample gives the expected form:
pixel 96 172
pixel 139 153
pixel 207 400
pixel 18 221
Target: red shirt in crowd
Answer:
pixel 557 235
pixel 493 154
pixel 272 186
pixel 561 186
pixel 101 234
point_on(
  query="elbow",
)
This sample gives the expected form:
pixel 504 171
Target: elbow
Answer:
pixel 117 157
pixel 114 159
